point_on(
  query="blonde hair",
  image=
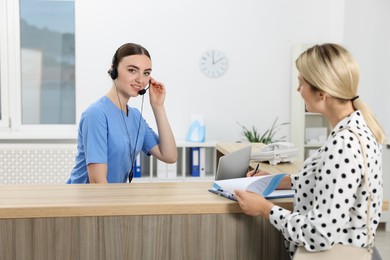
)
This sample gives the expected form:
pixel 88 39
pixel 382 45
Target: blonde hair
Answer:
pixel 332 69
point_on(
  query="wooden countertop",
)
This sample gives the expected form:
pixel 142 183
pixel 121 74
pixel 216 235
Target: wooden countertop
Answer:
pixel 70 200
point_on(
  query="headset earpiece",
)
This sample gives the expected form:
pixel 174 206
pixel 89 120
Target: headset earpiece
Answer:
pixel 114 70
pixel 113 73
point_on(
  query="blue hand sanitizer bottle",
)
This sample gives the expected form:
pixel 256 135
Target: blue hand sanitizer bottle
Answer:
pixel 197 131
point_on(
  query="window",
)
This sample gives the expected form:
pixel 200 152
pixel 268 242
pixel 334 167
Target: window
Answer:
pixel 3 29
pixel 47 44
pixel 37 65
pixel 1 117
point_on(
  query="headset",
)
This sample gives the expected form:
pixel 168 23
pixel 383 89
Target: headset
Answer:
pixel 113 72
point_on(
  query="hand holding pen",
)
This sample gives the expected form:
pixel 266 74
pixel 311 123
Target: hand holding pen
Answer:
pixel 256 172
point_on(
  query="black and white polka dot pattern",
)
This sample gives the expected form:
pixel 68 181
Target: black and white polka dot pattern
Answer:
pixel 330 202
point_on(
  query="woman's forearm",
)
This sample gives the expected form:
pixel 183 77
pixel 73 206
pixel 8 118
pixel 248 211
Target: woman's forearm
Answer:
pixel 167 150
pixel 97 172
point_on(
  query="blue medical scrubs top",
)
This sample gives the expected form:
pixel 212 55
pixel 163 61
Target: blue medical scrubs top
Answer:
pixel 102 138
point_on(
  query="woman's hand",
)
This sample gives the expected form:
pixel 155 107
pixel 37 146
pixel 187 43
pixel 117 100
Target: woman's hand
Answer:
pixel 253 204
pixel 258 173
pixel 157 93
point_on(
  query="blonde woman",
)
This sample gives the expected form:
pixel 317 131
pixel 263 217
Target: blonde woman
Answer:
pixel 332 195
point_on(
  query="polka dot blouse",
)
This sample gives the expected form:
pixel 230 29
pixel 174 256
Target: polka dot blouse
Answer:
pixel 330 202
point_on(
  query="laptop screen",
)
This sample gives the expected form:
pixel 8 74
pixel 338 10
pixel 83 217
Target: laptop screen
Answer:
pixel 234 165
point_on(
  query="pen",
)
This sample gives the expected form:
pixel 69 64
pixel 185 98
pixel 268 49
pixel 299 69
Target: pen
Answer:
pixel 257 168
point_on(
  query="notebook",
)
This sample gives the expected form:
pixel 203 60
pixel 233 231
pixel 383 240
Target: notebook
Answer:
pixel 234 165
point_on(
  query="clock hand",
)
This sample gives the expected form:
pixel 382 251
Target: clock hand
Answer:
pixel 212 57
pixel 218 60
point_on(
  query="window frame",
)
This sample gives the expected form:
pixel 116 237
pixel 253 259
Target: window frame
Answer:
pixel 4 120
pixel 11 126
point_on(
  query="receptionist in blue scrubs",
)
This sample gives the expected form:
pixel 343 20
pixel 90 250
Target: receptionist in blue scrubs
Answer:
pixel 111 133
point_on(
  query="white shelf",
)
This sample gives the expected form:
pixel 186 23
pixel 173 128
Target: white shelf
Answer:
pixel 313 145
pixel 386 181
pixel 154 171
pixel 312 114
pixel 181 143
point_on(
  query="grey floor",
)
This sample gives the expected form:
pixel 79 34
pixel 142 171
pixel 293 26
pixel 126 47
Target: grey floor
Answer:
pixel 382 242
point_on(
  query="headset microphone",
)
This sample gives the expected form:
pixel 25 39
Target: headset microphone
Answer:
pixel 143 91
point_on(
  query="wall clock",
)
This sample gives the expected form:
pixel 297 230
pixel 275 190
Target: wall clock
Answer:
pixel 213 63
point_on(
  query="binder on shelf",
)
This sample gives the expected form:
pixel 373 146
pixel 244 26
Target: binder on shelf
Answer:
pixel 165 170
pixel 194 161
pixel 171 170
pixel 202 161
pixel 137 166
pixel 161 170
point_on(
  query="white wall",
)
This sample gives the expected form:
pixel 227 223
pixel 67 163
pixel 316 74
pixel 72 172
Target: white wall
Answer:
pixel 256 36
pixel 367 35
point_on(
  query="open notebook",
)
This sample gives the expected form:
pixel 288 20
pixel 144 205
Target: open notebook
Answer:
pixel 262 185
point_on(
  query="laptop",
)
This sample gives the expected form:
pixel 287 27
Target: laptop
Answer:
pixel 234 165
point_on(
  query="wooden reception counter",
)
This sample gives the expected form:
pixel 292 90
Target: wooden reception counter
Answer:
pixel 42 201
pixel 131 221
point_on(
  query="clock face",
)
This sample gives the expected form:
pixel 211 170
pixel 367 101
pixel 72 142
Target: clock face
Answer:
pixel 213 64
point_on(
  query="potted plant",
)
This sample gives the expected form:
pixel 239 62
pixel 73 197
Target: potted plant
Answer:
pixel 253 135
